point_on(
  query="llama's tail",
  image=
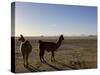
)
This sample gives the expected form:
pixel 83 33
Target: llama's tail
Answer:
pixel 40 41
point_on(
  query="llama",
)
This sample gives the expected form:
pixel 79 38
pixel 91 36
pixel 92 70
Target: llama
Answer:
pixel 49 47
pixel 25 48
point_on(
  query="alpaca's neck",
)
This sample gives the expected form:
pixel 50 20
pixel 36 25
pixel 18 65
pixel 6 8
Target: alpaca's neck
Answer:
pixel 59 42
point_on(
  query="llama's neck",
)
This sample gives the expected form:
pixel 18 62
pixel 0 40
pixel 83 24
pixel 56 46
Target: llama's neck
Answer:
pixel 59 43
pixel 23 41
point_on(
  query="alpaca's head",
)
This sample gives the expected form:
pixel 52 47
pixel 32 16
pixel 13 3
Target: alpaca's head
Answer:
pixel 21 38
pixel 61 37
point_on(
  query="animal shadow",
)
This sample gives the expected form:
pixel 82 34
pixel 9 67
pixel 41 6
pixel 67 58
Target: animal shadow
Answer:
pixel 52 66
pixel 64 65
pixel 31 68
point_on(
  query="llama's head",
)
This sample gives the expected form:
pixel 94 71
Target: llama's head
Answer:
pixel 61 37
pixel 21 38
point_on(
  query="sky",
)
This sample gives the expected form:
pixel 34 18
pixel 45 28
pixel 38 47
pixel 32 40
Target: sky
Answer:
pixel 36 19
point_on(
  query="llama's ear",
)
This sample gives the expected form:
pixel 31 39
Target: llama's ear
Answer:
pixel 61 34
pixel 21 35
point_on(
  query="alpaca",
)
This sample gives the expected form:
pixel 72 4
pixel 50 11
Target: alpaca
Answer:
pixel 49 47
pixel 25 48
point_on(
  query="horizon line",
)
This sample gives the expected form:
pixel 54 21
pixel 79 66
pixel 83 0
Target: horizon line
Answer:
pixel 53 35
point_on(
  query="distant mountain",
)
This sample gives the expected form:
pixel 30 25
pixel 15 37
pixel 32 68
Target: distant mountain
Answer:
pixel 92 35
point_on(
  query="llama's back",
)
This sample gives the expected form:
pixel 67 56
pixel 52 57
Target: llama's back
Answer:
pixel 49 46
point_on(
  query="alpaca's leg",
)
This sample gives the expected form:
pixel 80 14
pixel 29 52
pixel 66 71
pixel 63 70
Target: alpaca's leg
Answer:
pixel 52 56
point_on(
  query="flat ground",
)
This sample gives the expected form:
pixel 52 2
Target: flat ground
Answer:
pixel 74 53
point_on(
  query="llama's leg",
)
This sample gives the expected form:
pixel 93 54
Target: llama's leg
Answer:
pixel 27 59
pixel 41 55
pixel 52 56
pixel 23 58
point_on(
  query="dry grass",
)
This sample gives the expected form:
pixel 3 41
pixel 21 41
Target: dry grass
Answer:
pixel 74 53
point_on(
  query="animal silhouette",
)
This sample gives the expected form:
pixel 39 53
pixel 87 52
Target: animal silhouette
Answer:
pixel 25 48
pixel 49 47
